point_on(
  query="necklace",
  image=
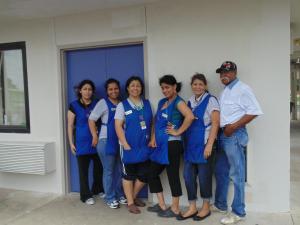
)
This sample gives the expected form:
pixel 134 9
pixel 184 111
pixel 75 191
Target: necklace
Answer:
pixel 138 105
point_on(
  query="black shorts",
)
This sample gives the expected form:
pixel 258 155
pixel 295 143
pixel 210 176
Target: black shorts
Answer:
pixel 136 171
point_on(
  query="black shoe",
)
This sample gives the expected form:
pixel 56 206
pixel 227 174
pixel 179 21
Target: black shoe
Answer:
pixel 168 213
pixel 181 217
pixel 156 208
pixel 199 218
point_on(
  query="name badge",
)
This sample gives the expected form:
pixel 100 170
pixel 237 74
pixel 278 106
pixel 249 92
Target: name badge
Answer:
pixel 128 112
pixel 113 109
pixel 164 115
pixel 143 125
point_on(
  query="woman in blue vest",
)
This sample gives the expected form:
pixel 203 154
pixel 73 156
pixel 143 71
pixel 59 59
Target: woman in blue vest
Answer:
pixel 108 145
pixel 133 121
pixel 80 140
pixel 172 119
pixel 199 140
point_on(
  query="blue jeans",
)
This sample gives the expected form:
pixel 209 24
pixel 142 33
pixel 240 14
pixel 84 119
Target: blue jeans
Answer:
pixel 204 173
pixel 222 179
pixel 233 147
pixel 112 170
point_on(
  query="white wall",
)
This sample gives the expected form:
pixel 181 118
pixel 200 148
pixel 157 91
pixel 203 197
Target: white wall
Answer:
pixel 183 37
pixel 43 88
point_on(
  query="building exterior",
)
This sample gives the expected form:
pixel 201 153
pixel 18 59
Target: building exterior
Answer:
pixel 178 37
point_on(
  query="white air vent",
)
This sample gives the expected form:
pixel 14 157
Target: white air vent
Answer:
pixel 27 157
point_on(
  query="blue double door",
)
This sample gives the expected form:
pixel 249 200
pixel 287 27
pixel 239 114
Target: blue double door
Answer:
pixel 98 65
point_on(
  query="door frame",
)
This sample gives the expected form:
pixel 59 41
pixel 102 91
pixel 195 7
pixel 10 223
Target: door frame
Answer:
pixel 62 49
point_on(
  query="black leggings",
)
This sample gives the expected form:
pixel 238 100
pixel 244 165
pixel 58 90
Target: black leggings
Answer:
pixel 83 167
pixel 175 149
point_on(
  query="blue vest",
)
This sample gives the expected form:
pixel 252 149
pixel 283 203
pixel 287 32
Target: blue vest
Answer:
pixel 162 118
pixel 137 132
pixel 195 134
pixel 112 144
pixel 83 136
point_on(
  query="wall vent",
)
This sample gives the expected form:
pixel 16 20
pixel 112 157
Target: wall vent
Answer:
pixel 27 157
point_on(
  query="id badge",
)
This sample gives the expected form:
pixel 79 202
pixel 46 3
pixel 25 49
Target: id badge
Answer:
pixel 143 125
pixel 128 112
pixel 164 115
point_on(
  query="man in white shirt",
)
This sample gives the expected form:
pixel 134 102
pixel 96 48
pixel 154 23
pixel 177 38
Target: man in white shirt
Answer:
pixel 238 107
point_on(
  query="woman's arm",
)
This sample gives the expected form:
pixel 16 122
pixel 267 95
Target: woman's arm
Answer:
pixel 96 113
pixel 121 134
pixel 71 120
pixel 152 142
pixel 93 129
pixel 215 123
pixel 188 119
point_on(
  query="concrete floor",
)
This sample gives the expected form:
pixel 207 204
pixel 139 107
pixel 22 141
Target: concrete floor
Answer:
pixel 31 208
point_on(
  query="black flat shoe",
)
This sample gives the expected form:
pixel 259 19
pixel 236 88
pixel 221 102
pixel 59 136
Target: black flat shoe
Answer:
pixel 168 213
pixel 181 217
pixel 156 208
pixel 199 218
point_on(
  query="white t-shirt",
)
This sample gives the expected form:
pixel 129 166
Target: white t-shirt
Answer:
pixel 212 105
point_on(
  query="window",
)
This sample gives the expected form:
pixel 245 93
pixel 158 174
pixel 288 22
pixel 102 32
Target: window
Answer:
pixel 14 109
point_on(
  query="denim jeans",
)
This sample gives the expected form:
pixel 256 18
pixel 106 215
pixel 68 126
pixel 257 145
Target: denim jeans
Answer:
pixel 204 173
pixel 222 179
pixel 112 170
pixel 233 147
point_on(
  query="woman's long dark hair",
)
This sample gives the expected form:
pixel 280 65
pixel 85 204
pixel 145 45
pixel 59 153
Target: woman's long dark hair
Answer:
pixel 170 80
pixel 81 84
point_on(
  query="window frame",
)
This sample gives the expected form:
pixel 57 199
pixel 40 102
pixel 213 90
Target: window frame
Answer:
pixel 15 128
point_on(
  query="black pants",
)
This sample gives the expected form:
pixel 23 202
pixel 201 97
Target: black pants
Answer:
pixel 83 167
pixel 175 149
pixel 135 171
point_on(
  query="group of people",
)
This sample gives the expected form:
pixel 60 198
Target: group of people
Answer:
pixel 136 145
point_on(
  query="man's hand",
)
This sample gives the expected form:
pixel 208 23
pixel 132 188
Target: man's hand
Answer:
pixel 229 129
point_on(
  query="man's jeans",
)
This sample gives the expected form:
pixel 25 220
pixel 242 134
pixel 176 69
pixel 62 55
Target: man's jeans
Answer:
pixel 230 162
pixel 112 170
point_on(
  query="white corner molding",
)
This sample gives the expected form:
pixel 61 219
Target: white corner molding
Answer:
pixel 27 157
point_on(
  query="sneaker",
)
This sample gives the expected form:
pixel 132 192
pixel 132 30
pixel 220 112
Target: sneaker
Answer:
pixel 101 195
pixel 123 201
pixel 113 204
pixel 231 218
pixel 90 201
pixel 213 208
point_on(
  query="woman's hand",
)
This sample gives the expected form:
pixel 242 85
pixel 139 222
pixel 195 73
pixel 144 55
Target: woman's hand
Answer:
pixel 73 149
pixel 171 131
pixel 152 143
pixel 126 147
pixel 207 151
pixel 95 141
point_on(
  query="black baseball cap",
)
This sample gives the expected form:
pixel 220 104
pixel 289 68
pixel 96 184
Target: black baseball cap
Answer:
pixel 226 67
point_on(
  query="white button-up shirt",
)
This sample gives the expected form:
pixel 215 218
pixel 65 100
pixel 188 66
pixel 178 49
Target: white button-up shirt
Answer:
pixel 236 100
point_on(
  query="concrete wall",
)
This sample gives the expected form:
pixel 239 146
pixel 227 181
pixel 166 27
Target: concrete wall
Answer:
pixel 181 38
